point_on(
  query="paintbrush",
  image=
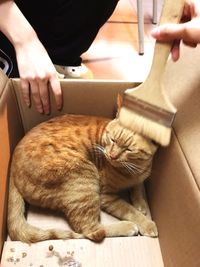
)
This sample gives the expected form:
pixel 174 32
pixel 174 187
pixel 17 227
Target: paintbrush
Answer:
pixel 145 108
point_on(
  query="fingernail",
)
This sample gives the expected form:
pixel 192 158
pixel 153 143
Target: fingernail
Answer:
pixel 59 108
pixel 28 104
pixel 40 111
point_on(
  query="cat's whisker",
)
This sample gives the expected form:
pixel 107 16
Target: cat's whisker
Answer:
pixel 131 167
pixel 139 168
pixel 98 150
pixel 106 155
pixel 130 170
pixel 102 150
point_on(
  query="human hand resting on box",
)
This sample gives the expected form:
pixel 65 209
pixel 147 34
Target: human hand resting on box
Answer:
pixel 187 31
pixel 36 70
pixel 37 74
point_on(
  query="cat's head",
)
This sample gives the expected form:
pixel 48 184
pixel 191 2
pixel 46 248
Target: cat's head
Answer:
pixel 122 145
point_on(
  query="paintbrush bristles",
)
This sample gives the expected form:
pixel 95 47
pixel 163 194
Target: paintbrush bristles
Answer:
pixel 144 126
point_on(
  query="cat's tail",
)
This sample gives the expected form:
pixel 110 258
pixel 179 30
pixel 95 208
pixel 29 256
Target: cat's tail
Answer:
pixel 19 229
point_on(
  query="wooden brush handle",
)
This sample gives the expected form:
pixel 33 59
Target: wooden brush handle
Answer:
pixel 151 90
pixel 171 13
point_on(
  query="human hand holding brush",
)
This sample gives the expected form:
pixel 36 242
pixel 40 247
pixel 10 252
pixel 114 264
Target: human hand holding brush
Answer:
pixel 146 108
pixel 188 31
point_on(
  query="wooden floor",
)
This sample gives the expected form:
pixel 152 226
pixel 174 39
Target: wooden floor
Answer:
pixel 114 53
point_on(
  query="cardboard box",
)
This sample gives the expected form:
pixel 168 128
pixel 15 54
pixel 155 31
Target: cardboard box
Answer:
pixel 172 190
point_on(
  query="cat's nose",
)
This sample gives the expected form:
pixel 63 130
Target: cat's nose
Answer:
pixel 113 156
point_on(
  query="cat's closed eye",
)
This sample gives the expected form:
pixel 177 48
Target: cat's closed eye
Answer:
pixel 128 149
pixel 112 139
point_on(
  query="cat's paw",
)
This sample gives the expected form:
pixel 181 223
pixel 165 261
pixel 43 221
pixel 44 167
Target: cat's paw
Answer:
pixel 148 228
pixel 141 206
pixel 129 228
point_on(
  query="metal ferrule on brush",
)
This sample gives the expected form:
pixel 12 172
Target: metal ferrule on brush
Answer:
pixel 149 111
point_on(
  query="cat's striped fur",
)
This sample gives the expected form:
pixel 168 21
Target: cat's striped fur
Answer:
pixel 78 165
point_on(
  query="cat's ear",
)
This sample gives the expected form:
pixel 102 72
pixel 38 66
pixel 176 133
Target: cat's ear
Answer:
pixel 119 104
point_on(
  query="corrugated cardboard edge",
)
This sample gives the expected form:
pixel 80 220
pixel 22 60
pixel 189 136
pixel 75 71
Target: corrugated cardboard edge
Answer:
pixel 11 132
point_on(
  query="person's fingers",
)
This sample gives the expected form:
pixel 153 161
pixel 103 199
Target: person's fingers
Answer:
pixel 44 95
pixel 56 88
pixel 190 44
pixel 175 51
pixel 25 91
pixel 186 13
pixel 40 93
pixel 36 96
pixel 168 32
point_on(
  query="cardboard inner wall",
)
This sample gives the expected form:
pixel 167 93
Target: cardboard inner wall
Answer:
pixel 91 97
pixel 182 81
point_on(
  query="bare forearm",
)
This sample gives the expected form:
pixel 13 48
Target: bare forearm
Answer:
pixel 14 25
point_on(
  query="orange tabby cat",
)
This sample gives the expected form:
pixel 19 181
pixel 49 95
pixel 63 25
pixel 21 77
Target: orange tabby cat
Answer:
pixel 78 165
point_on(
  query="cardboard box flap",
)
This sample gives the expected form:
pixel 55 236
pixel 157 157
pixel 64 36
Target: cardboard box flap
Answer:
pixel 182 82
